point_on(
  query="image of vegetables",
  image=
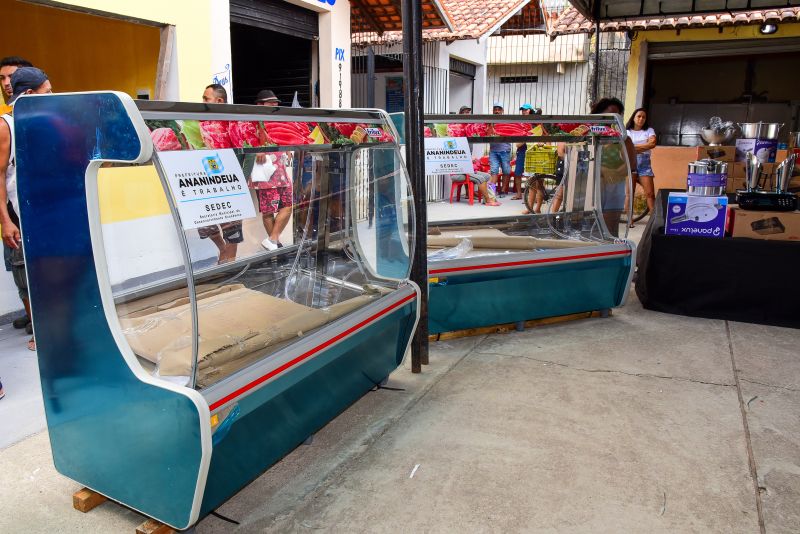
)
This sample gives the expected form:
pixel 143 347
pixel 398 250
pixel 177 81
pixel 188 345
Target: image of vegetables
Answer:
pixel 191 131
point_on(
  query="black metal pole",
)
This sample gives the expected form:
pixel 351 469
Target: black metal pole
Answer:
pixel 370 77
pixel 415 161
pixel 596 91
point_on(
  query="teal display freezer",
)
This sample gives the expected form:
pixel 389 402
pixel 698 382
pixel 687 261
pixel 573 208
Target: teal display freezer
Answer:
pixel 181 354
pixel 496 270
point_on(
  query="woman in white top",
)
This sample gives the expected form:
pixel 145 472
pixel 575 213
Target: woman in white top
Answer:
pixel 644 139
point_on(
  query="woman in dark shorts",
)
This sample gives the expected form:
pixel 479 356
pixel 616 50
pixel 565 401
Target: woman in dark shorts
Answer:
pixel 644 139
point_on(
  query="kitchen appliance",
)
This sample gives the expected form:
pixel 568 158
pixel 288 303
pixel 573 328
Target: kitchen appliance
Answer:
pixel 794 148
pixel 707 178
pixel 766 201
pixel 754 199
pixel 783 173
pixel 760 130
pixel 752 171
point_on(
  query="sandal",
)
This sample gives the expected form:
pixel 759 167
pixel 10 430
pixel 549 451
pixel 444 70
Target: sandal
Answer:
pixel 32 344
pixel 516 197
pixel 492 203
pixel 527 212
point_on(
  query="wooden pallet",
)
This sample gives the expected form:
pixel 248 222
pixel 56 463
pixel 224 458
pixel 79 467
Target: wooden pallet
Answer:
pixel 516 327
pixel 85 500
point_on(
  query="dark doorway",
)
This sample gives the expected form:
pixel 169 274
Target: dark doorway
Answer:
pixel 264 59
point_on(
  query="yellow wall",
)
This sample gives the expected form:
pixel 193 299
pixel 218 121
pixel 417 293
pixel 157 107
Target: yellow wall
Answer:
pixel 700 34
pixel 81 52
pixel 193 27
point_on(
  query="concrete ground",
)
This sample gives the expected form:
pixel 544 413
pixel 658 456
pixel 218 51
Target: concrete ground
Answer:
pixel 640 422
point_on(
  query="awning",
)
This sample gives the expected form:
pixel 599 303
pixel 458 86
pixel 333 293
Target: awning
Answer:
pixel 614 10
pixel 381 16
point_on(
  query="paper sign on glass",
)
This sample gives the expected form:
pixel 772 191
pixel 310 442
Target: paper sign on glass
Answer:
pixel 208 186
pixel 447 155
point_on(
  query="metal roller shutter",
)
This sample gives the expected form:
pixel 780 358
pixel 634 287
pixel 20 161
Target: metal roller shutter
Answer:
pixel 745 47
pixel 277 16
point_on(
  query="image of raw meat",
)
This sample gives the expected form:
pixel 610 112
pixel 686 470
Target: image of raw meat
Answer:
pixel 511 129
pixel 288 133
pixel 165 139
pixel 244 134
pixel 215 134
pixel 346 128
pixel 456 130
pixel 478 129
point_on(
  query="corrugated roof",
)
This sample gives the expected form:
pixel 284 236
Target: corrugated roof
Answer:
pixel 571 21
pixel 470 19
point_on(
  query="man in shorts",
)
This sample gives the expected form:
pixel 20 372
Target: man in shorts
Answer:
pixel 225 236
pixel 274 195
pixel 24 80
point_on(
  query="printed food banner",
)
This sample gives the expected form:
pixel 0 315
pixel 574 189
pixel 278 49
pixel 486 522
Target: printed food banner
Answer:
pixel 521 129
pixel 170 135
pixel 208 186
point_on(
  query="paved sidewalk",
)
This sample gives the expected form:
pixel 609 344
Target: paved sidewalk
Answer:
pixel 631 423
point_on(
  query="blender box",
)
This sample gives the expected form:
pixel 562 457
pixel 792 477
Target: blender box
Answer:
pixel 765 149
pixel 696 215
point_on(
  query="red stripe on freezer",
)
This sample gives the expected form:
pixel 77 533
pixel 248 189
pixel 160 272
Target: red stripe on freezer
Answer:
pixel 530 262
pixel 307 354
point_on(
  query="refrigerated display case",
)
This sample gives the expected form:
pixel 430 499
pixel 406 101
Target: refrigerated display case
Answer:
pixel 495 270
pixel 180 353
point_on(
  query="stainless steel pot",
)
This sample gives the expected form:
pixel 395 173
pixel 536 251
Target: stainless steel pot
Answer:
pixel 794 140
pixel 707 167
pixel 760 130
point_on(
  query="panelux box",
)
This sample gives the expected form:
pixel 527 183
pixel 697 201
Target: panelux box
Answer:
pixel 696 216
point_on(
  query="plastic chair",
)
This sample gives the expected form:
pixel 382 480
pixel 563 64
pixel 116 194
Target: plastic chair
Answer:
pixel 455 187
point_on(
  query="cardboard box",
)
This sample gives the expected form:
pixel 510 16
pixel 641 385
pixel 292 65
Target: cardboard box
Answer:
pixel 736 170
pixel 696 216
pixel 719 153
pixel 765 150
pixel 735 184
pixel 772 225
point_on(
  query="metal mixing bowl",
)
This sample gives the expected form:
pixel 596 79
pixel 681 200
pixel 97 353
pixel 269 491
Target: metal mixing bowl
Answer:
pixel 714 137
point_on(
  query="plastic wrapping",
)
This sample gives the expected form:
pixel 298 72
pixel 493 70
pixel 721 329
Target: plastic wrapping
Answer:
pixel 452 253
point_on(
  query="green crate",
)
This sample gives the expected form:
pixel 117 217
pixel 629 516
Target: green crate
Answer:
pixel 541 159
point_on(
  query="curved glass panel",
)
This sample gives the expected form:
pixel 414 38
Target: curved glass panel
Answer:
pixel 145 265
pixel 614 185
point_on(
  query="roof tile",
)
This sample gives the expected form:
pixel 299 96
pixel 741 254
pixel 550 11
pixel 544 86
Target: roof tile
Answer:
pixel 571 21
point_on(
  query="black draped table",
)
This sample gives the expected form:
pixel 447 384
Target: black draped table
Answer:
pixel 748 280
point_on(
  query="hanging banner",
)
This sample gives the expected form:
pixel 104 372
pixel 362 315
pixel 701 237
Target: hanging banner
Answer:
pixel 208 186
pixel 447 155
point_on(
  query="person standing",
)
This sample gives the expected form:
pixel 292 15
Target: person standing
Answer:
pixel 275 194
pixel 522 149
pixel 215 94
pixel 644 140
pixel 499 156
pixel 226 236
pixel 8 66
pixel 25 80
pixel 613 191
